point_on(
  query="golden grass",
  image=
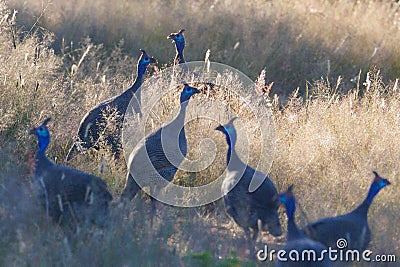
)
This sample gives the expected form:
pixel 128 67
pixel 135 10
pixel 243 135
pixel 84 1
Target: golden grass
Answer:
pixel 327 143
pixel 295 41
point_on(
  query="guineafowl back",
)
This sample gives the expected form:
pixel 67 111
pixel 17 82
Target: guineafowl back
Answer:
pixel 243 205
pixel 160 153
pixel 259 204
pixel 328 231
pixel 94 123
pixel 63 187
pixel 352 226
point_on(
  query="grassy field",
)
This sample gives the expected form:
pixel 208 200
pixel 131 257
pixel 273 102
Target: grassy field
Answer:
pixel 341 123
pixel 294 41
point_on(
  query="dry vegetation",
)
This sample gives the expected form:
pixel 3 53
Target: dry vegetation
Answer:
pixel 296 41
pixel 330 134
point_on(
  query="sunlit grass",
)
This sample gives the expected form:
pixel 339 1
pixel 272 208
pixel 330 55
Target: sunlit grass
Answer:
pixel 327 143
pixel 296 41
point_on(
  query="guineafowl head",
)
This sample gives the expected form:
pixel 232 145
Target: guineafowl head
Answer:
pixel 287 198
pixel 188 92
pixel 144 61
pixel 43 135
pixel 377 184
pixel 178 39
pixel 229 131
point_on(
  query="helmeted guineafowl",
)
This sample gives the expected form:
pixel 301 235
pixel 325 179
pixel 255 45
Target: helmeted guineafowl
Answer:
pixel 297 241
pixel 152 157
pixel 68 194
pixel 93 124
pixel 352 226
pixel 179 41
pixel 244 207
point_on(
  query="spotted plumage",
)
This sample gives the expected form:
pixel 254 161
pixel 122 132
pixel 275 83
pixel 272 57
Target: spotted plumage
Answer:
pixel 246 208
pixel 352 226
pixel 94 123
pixel 69 196
pixel 158 155
pixel 298 242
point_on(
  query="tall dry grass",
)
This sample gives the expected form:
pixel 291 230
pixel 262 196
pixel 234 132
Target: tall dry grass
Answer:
pixel 327 142
pixel 328 145
pixel 296 41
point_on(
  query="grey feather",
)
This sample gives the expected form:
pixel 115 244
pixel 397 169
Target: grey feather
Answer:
pixel 352 226
pixel 156 158
pixel 68 192
pixel 94 123
pixel 243 206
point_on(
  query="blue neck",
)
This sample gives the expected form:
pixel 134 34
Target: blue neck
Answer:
pixel 290 208
pixel 373 191
pixel 179 59
pixel 127 95
pixel 228 156
pixel 293 230
pixel 231 147
pixel 43 142
pixel 139 79
pixel 179 47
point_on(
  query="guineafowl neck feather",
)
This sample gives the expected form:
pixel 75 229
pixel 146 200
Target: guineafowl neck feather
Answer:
pixel 137 83
pixel 179 58
pixel 362 209
pixel 43 142
pixel 42 162
pixel 373 191
pixel 228 154
pixel 127 95
pixel 182 111
pixel 231 154
pixel 293 230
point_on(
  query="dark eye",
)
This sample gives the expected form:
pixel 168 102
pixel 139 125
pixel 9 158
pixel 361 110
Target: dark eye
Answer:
pixel 178 35
pixel 189 90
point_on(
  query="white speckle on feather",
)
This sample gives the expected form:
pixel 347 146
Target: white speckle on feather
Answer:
pixel 88 189
pixel 87 129
pixel 60 205
pixel 91 198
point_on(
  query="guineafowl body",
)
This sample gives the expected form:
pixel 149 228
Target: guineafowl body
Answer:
pixel 93 124
pixel 179 40
pixel 160 153
pixel 68 194
pixel 352 226
pixel 243 206
pixel 297 241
